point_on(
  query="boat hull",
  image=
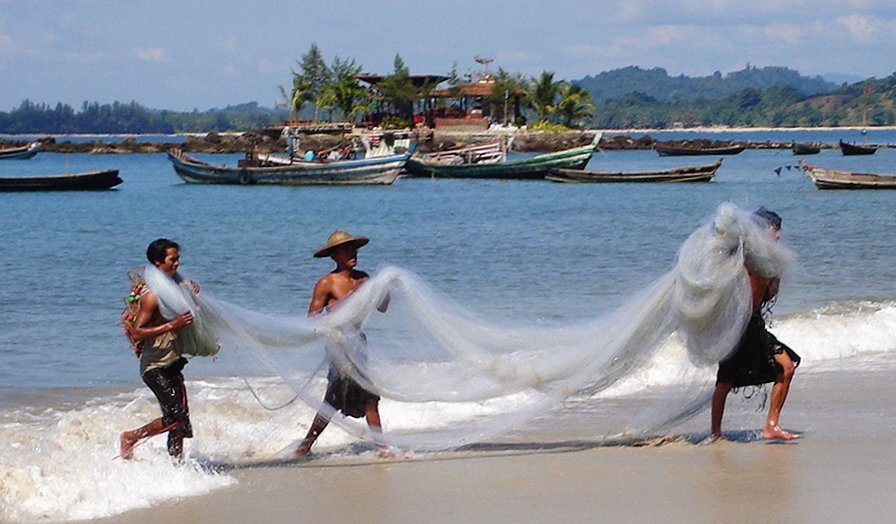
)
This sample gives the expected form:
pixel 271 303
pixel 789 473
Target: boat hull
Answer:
pixel 697 151
pixel 373 171
pixel 854 149
pixel 20 153
pixel 533 168
pixel 837 179
pixel 681 174
pixel 93 180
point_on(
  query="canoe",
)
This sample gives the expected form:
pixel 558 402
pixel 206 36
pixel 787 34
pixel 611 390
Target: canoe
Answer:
pixel 531 168
pixel 695 151
pixel 703 173
pixel 381 170
pixel 20 153
pixel 837 179
pixel 854 149
pixel 71 182
pixel 805 149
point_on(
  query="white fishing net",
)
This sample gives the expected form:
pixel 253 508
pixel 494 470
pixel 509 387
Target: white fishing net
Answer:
pixel 428 355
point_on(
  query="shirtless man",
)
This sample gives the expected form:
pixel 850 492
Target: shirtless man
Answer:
pixel 161 360
pixel 759 356
pixel 343 393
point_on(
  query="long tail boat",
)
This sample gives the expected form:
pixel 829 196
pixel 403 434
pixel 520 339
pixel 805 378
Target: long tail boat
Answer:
pixel 530 168
pixel 380 170
pixel 855 149
pixel 695 151
pixel 825 178
pixel 91 180
pixel 20 153
pixel 703 173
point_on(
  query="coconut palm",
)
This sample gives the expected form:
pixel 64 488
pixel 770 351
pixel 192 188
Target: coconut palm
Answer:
pixel 575 106
pixel 543 95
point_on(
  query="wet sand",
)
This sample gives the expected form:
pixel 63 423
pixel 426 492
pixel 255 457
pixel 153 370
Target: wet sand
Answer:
pixel 841 470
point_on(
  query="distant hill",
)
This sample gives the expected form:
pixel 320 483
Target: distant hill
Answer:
pixel 658 85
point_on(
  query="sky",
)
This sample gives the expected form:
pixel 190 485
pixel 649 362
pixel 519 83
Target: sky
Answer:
pixel 184 55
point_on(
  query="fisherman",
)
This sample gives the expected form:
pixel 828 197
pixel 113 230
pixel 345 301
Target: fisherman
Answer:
pixel 343 392
pixel 161 358
pixel 759 357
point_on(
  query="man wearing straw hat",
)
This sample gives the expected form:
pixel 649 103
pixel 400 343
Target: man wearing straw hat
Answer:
pixel 343 393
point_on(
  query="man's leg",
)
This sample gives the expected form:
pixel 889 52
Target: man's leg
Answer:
pixel 129 439
pixel 778 396
pixel 372 414
pixel 317 427
pixel 718 409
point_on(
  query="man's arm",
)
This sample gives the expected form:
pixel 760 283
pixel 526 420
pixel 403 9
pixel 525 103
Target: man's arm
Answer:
pixel 319 296
pixel 141 330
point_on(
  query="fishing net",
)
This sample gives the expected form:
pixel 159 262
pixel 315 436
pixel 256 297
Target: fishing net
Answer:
pixel 459 376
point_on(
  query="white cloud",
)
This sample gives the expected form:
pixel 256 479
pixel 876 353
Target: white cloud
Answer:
pixel 151 54
pixel 791 34
pixel 231 70
pixel 862 28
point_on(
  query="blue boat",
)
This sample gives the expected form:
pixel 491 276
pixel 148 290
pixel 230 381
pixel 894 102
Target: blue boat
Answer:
pixel 377 170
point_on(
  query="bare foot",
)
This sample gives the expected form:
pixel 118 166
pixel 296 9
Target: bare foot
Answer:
pixel 126 443
pixel 776 433
pixel 713 438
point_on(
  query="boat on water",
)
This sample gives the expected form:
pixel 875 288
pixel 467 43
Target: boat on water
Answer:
pixel 825 178
pixel 855 149
pixel 529 168
pixel 804 148
pixel 664 150
pixel 20 153
pixel 91 180
pixel 376 170
pixel 703 173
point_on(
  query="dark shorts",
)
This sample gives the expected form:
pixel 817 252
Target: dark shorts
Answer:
pixel 753 361
pixel 346 395
pixel 168 386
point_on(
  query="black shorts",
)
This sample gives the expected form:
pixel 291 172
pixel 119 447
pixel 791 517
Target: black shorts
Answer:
pixel 346 395
pixel 168 386
pixel 753 361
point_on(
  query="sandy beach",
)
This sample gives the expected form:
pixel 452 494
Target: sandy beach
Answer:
pixel 841 470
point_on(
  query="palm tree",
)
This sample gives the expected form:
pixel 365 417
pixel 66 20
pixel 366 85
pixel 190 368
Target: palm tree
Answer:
pixel 575 106
pixel 543 95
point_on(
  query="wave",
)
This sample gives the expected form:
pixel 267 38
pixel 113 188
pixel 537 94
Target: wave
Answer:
pixel 60 464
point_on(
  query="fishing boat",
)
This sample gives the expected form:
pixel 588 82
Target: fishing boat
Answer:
pixel 825 178
pixel 855 149
pixel 91 180
pixel 802 148
pixel 703 173
pixel 378 170
pixel 20 153
pixel 530 168
pixel 695 151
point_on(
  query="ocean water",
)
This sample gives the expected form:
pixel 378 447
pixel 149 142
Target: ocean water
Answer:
pixel 521 251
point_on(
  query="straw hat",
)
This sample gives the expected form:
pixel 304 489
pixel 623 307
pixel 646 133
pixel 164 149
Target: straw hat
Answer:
pixel 338 238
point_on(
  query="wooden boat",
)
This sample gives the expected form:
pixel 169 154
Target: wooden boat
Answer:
pixel 703 173
pixel 694 151
pixel 854 149
pixel 531 168
pixel 836 179
pixel 381 170
pixel 20 153
pixel 489 152
pixel 76 181
pixel 802 148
